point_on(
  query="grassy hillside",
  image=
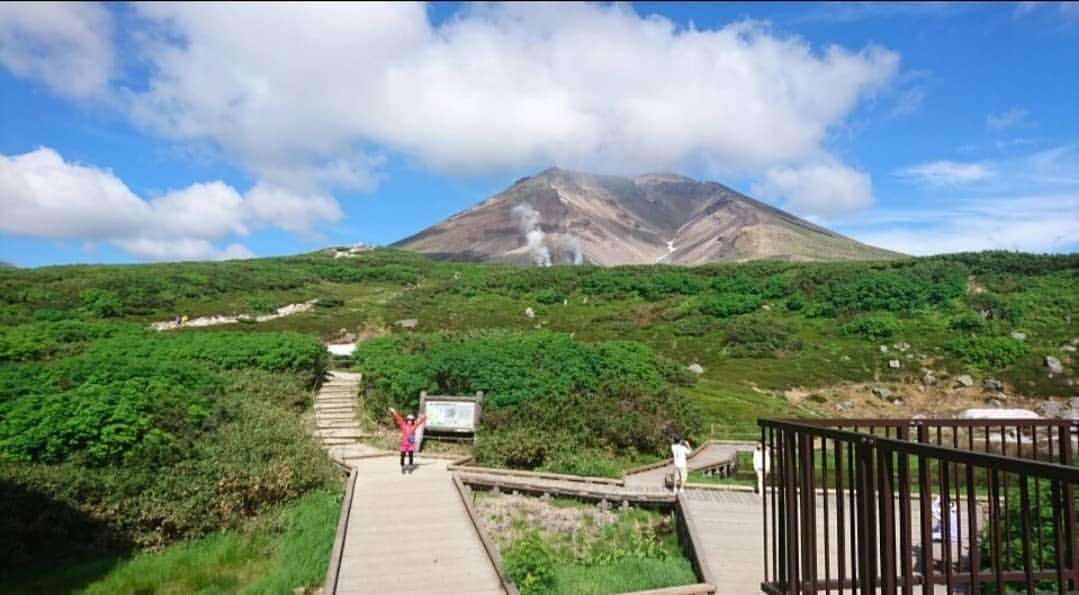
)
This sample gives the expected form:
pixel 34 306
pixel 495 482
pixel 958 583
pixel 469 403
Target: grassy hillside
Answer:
pixel 137 439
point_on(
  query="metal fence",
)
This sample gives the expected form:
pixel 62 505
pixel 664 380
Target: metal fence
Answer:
pixel 921 506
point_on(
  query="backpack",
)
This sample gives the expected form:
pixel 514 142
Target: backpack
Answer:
pixel 411 438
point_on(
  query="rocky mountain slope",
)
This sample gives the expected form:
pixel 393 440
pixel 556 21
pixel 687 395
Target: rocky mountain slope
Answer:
pixel 560 217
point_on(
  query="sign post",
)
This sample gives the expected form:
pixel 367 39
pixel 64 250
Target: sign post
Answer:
pixel 450 415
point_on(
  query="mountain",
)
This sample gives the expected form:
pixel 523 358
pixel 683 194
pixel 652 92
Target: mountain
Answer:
pixel 561 216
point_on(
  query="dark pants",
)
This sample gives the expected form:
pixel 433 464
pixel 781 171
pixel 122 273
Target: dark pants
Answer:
pixel 403 453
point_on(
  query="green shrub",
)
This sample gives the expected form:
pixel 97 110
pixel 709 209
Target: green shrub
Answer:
pixel 776 286
pixel 722 305
pixel 873 328
pixel 101 303
pixel 757 336
pixel 693 326
pixel 550 296
pixel 329 302
pixel 997 307
pixel 970 322
pixel 988 352
pixel 530 563
pixel 262 304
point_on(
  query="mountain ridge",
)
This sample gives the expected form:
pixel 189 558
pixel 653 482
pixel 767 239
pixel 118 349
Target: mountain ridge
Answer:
pixel 561 216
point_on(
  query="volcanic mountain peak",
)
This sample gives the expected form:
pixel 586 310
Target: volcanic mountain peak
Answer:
pixel 560 216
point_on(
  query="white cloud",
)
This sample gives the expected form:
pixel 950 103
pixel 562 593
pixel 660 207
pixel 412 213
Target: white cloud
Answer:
pixel 946 173
pixel 44 196
pixel 503 86
pixel 66 45
pixel 1029 224
pixel 1007 119
pixel 817 190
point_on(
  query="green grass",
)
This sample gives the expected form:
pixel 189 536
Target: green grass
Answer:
pixel 621 576
pixel 288 548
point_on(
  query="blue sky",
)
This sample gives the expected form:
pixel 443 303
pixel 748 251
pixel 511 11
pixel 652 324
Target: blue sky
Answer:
pixel 169 132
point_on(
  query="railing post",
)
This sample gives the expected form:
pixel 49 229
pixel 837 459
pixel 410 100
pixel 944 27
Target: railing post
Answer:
pixel 865 501
pixel 1070 547
pixel 925 518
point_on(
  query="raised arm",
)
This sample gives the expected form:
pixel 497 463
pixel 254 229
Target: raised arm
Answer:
pixel 397 418
pixel 419 422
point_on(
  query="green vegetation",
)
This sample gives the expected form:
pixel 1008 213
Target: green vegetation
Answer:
pixel 287 548
pixel 614 551
pixel 125 439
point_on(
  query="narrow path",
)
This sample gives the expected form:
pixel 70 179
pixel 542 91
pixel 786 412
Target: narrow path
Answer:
pixel 288 310
pixel 709 456
pixel 411 534
pixel 335 418
pixel 728 525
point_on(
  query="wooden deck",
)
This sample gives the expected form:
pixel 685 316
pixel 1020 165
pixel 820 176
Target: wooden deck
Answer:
pixel 709 456
pixel 411 534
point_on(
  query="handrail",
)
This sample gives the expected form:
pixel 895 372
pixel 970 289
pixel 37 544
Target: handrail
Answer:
pixel 334 569
pixel 1030 467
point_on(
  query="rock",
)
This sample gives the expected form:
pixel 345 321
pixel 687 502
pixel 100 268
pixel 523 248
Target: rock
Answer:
pixel 964 380
pixel 844 358
pixel 350 338
pixel 883 393
pixel 910 356
pixel 997 414
pixel 1018 336
pixel 845 405
pixel 919 416
pixel 994 403
pixel 1048 409
pixel 903 346
pixel 929 379
pixel 408 323
pixel 1053 364
pixel 1068 348
pixel 696 369
pixel 1074 341
pixel 456 275
pixel 766 308
pixel 884 349
pixel 529 312
pixel 894 364
pixel 897 402
pixel 993 385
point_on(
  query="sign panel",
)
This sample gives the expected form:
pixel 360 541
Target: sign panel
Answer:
pixel 451 415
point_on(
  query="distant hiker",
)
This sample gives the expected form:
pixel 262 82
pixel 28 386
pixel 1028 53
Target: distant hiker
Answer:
pixel 680 452
pixel 179 320
pixel 408 427
pixel 762 464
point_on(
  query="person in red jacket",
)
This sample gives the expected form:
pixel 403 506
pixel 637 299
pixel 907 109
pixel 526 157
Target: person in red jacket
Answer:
pixel 408 427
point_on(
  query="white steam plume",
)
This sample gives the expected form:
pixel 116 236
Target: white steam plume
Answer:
pixel 571 247
pixel 528 221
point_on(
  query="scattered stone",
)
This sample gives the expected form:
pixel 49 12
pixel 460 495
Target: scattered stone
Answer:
pixel 910 356
pixel 1074 341
pixel 923 356
pixel 408 323
pixel 766 308
pixel 883 393
pixel 993 385
pixel 625 506
pixel 921 388
pixel 696 369
pixel 845 405
pixel 904 346
pixel 884 349
pixel 994 403
pixel 964 380
pixel 919 416
pixel 894 364
pixel 1048 409
pixel 1068 348
pixel 844 358
pixel 529 312
pixel 350 337
pixel 897 402
pixel 1053 364
pixel 1018 336
pixel 929 378
pixel 456 275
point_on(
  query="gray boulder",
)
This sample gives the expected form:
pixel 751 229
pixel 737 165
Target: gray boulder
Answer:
pixel 903 346
pixel 696 369
pixel 1069 348
pixel 529 312
pixel 893 363
pixel 845 405
pixel 883 394
pixel 964 380
pixel 1053 364
pixel 1048 409
pixel 1018 336
pixel 408 323
pixel 993 385
pixel 884 349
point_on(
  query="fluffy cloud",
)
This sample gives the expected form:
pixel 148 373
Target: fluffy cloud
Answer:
pixel 42 195
pixel 946 173
pixel 821 189
pixel 66 45
pixel 501 86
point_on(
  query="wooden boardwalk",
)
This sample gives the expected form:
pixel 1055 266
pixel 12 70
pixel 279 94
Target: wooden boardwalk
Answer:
pixel 411 534
pixel 731 538
pixel 711 455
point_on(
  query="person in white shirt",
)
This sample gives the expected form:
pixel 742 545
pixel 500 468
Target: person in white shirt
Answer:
pixel 680 451
pixel 762 464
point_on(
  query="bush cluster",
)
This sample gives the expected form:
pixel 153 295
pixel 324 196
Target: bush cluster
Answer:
pixel 759 336
pixel 988 352
pixel 872 328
